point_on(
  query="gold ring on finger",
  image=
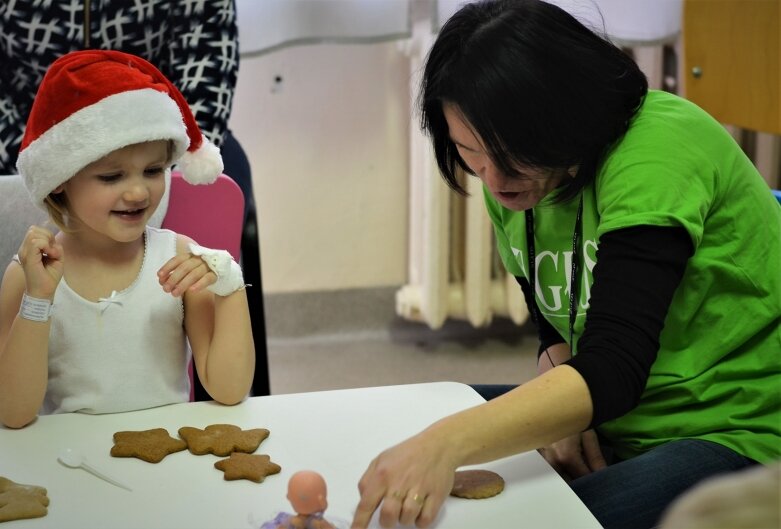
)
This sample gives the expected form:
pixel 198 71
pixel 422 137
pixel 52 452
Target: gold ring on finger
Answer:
pixel 420 500
pixel 396 495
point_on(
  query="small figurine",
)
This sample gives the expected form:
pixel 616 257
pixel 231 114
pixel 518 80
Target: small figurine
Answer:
pixel 306 492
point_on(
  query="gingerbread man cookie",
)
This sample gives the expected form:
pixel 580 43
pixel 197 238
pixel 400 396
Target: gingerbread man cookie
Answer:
pixel 222 439
pixel 18 501
pixel 247 466
pixel 149 445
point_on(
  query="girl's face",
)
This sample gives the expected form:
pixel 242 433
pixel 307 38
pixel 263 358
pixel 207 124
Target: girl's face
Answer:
pixel 116 195
pixel 517 192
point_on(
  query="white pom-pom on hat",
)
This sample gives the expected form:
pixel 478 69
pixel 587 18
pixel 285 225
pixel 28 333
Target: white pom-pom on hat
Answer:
pixel 203 165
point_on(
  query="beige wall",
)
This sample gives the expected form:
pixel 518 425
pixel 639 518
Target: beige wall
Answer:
pixel 328 147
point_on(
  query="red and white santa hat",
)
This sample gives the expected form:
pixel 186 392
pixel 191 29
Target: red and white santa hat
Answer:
pixel 93 102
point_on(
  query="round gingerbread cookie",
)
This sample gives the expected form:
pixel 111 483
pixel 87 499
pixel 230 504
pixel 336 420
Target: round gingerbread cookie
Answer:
pixel 477 484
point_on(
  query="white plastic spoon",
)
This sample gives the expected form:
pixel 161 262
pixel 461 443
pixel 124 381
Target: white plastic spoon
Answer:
pixel 74 459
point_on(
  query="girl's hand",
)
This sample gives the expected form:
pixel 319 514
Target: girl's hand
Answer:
pixel 185 272
pixel 41 257
pixel 408 483
pixel 575 456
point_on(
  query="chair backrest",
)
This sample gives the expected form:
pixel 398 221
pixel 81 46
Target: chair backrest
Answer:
pixel 17 213
pixel 212 215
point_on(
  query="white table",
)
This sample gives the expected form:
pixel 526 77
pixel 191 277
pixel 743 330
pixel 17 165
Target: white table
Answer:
pixel 336 433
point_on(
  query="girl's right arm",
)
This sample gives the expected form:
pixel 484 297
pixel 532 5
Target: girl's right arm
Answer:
pixel 24 343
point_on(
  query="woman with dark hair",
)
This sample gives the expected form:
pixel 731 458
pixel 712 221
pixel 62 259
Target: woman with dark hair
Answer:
pixel 631 220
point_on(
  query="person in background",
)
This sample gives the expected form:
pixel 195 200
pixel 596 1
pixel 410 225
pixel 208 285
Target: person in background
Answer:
pixel 97 318
pixel 194 44
pixel 630 219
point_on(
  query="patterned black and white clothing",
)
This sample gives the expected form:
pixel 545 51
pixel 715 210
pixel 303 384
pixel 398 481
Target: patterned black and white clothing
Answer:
pixel 193 42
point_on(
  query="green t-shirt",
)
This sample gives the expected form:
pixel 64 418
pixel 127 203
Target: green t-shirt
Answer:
pixel 717 375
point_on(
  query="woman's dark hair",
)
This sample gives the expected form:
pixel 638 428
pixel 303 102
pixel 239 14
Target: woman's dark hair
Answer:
pixel 540 89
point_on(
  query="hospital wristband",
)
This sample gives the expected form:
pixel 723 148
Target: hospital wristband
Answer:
pixel 35 309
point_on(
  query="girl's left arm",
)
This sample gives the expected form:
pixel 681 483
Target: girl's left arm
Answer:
pixel 220 335
pixel 218 327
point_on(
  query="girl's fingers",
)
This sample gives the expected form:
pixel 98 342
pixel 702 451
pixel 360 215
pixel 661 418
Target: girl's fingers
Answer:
pixel 192 273
pixel 174 270
pixel 34 250
pixel 41 257
pixel 170 266
pixel 39 246
pixel 191 279
pixel 203 282
pixel 55 251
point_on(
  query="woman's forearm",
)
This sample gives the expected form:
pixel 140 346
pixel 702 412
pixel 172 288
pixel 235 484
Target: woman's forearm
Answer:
pixel 550 407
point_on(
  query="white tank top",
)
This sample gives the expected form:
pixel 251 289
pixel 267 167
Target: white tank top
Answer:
pixel 126 352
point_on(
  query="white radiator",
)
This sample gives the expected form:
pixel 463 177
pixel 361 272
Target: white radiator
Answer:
pixel 454 269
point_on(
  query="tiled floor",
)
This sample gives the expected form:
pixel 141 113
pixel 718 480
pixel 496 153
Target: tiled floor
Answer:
pixel 407 353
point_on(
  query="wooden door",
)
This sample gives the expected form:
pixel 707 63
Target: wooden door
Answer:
pixel 732 60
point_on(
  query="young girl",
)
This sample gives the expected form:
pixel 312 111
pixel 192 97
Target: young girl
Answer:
pixel 97 317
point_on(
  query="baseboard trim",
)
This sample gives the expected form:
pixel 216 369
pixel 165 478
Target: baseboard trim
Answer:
pixel 365 313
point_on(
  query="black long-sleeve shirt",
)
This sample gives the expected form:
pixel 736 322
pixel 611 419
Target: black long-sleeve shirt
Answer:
pixel 637 272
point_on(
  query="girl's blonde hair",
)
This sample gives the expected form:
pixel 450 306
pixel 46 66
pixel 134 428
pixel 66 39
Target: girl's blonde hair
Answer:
pixel 57 208
pixel 57 203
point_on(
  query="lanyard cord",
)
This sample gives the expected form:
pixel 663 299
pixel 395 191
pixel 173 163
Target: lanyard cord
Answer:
pixel 573 292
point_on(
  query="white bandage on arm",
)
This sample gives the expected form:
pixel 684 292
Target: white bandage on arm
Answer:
pixel 228 272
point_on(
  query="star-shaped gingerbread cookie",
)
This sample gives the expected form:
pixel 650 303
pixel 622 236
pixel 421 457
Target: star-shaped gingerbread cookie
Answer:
pixel 247 466
pixel 150 445
pixel 19 501
pixel 222 439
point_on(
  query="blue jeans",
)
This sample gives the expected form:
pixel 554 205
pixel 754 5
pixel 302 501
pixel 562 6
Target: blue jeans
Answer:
pixel 633 494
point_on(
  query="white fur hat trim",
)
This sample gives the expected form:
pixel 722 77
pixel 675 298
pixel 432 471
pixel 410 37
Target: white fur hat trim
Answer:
pixel 96 130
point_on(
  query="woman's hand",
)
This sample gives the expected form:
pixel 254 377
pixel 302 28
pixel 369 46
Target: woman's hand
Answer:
pixel 41 257
pixel 185 272
pixel 408 483
pixel 575 456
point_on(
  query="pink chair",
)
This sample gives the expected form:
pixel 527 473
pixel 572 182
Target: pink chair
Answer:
pixel 213 216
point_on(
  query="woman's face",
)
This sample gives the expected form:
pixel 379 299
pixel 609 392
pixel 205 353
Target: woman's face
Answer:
pixel 517 192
